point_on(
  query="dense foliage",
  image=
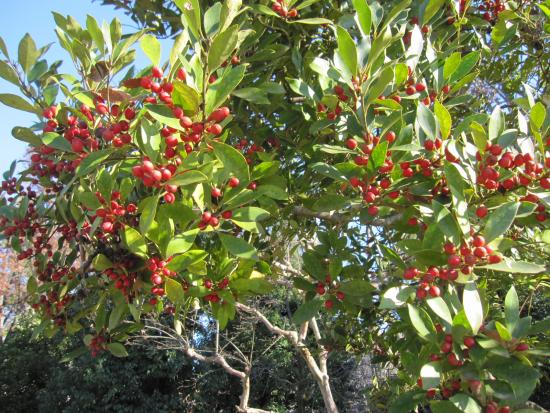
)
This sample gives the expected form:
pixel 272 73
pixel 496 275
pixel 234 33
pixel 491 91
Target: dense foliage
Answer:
pixel 332 148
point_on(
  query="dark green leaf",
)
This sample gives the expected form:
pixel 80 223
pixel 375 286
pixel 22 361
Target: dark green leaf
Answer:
pixel 307 311
pixel 238 247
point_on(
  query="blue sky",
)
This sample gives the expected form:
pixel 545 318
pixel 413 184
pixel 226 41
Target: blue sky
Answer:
pixel 34 17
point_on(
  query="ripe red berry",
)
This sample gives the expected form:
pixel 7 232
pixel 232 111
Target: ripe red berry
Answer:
pixel 233 182
pixel 482 211
pixel 227 214
pixel 157 72
pixel 454 260
pixel 434 291
pixel 522 347
pixel 329 304
pixel 420 87
pixel 351 143
pixel 219 114
pixel 469 342
pixel 449 248
pixel 215 192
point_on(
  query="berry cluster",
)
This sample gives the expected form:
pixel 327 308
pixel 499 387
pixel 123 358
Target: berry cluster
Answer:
pixel 123 279
pixel 491 9
pixel 281 8
pixel 213 296
pixel 111 213
pixel 97 345
pixel 330 288
pixel 158 270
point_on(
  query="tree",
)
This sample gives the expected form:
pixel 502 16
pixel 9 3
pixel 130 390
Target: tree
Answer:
pixel 12 290
pixel 337 157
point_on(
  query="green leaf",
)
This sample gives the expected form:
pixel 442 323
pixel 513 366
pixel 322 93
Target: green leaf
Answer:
pixel 181 242
pixel 395 297
pixel 357 288
pixel 178 48
pixel 305 3
pixel 3 47
pixel 8 73
pixel 222 47
pixel 32 285
pixel 26 135
pixel 313 20
pixel 500 220
pixel 466 65
pixel 186 97
pixel 301 88
pixel 473 309
pixel 522 378
pixel 16 102
pixel 364 16
pixel 191 13
pixel 330 202
pixel 238 247
pixel 440 308
pixel 347 49
pixel 95 32
pixel 148 209
pixel 444 118
pixel 253 94
pixel 503 332
pixel 537 116
pixel 451 64
pixel 496 123
pixel 273 191
pixel 380 85
pixel 407 401
pixel 134 241
pixel 479 135
pixel 431 9
pixel 117 349
pixel 418 322
pixel 542 326
pixel 188 178
pixel 430 374
pixel 230 10
pixel 426 120
pixel 465 403
pixel 27 52
pixel 57 141
pixel 101 262
pixel 250 214
pixel 457 185
pixel 307 311
pixel 212 19
pixel 183 261
pixel 220 90
pixel 92 161
pixel 514 267
pixel 511 308
pixel 234 163
pixel 164 115
pixel 116 315
pixel 174 291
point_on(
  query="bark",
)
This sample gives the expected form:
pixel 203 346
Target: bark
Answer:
pixel 297 338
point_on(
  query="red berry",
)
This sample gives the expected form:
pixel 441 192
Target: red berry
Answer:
pixel 215 192
pixel 482 211
pixel 157 72
pixel 233 182
pixel 351 143
pixel 469 342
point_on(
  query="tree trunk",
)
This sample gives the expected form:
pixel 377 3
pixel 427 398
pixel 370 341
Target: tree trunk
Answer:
pixel 328 399
pixel 1 319
pixel 245 394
